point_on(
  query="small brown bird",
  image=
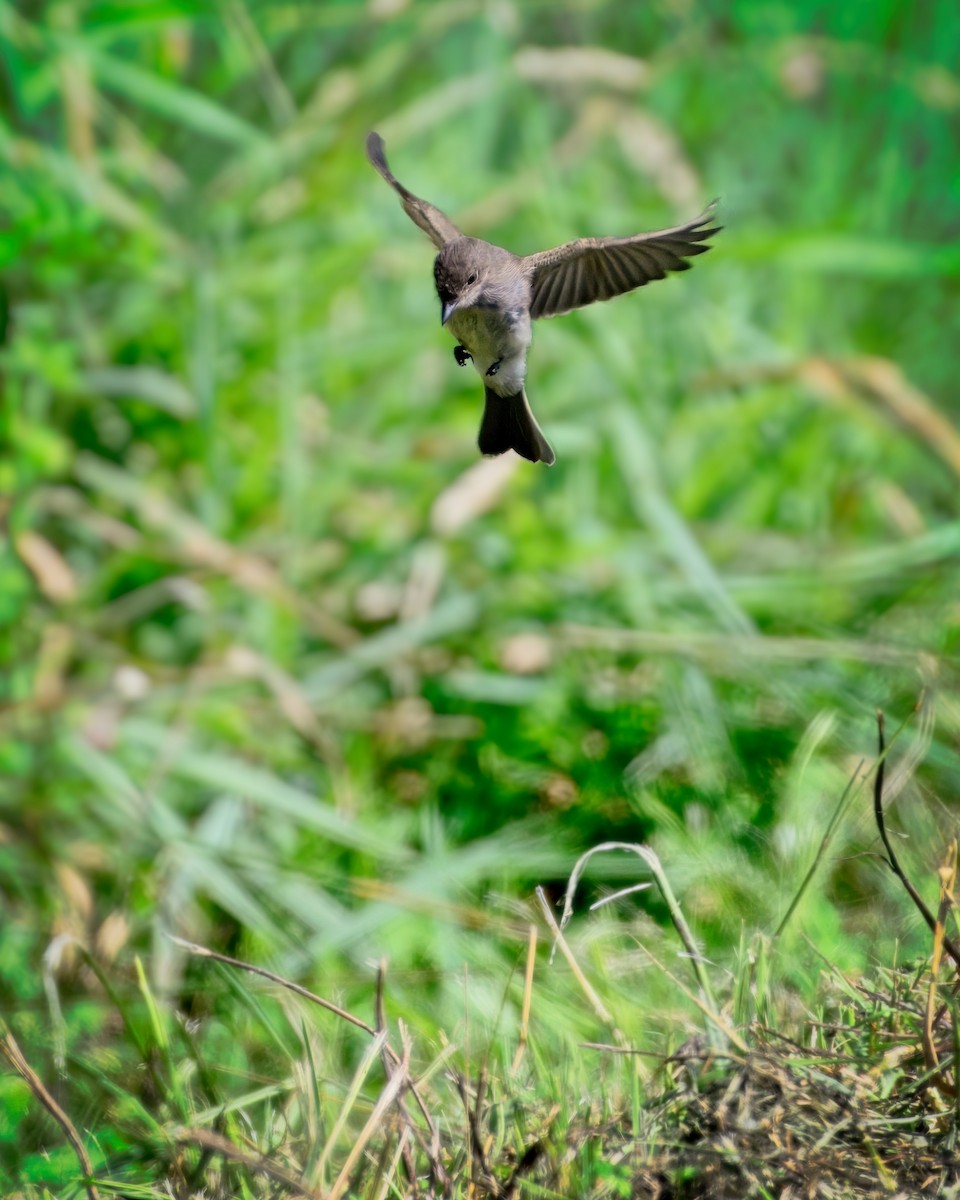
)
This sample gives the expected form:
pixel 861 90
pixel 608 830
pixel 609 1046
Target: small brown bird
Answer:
pixel 489 297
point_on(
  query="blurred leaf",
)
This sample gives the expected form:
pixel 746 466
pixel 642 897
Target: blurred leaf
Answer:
pixel 850 255
pixel 174 101
pixel 142 383
pixel 223 774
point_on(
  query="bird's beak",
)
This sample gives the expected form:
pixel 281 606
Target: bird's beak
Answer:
pixel 447 311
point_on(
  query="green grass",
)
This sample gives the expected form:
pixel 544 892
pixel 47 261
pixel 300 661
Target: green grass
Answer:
pixel 291 673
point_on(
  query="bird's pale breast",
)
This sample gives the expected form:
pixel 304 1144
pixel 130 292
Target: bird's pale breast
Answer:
pixel 492 335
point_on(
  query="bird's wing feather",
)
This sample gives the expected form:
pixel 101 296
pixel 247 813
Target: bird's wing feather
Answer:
pixel 437 225
pixel 590 269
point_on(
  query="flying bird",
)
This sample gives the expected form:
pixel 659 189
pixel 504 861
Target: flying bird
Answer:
pixel 490 297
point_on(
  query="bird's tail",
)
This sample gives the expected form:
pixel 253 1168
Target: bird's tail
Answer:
pixel 508 424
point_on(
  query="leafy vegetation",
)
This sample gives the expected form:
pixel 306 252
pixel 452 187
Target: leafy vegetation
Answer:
pixel 292 674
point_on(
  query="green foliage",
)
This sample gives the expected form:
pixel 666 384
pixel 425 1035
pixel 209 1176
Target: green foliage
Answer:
pixel 288 671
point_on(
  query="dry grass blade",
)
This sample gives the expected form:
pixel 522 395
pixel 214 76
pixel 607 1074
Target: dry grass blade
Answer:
pixel 471 494
pixel 46 564
pixel 476 1144
pixel 432 1152
pixel 469 916
pixel 888 383
pixel 387 1184
pixel 257 1164
pixel 666 891
pixel 11 1051
pixel 370 1056
pixel 297 989
pixel 587 987
pixel 948 883
pixel 527 999
pixel 864 378
pixel 713 1015
pixel 387 1097
pixel 379 1009
pixel 580 66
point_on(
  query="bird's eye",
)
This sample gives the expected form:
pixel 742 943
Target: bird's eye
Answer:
pixel 472 278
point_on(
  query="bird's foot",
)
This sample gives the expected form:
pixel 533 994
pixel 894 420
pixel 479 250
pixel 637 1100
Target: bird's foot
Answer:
pixel 494 367
pixel 462 356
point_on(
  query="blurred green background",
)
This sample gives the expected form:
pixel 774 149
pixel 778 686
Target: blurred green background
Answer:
pixel 293 672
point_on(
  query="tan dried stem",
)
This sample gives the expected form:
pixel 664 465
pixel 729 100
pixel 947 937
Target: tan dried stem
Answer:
pixel 11 1051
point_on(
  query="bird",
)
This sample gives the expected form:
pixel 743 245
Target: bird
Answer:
pixel 490 297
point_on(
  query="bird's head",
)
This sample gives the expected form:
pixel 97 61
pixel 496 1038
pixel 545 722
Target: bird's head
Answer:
pixel 460 272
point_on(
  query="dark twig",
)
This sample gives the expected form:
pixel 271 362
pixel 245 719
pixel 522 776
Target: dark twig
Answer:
pixel 891 860
pixel 474 1124
pixel 525 1164
pixel 476 1120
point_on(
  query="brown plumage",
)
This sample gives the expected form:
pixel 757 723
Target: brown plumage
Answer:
pixel 489 297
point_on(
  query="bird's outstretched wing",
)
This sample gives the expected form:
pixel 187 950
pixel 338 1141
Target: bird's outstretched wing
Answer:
pixel 590 269
pixel 438 227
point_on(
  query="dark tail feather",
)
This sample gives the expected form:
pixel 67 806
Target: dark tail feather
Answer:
pixel 508 424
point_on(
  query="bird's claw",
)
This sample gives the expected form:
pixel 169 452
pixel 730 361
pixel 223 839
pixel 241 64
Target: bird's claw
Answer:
pixel 495 367
pixel 462 356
